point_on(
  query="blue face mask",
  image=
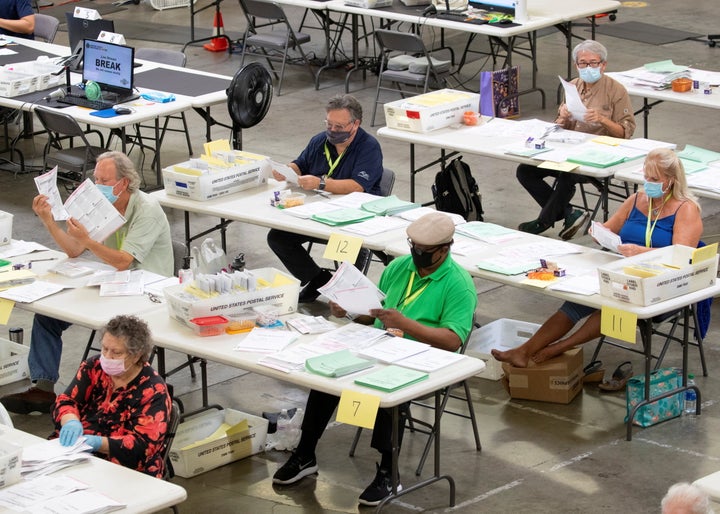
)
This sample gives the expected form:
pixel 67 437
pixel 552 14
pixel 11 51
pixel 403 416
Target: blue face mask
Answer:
pixel 590 75
pixel 107 192
pixel 653 189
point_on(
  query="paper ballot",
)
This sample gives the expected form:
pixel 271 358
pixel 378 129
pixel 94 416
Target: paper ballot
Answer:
pixel 286 171
pixel 572 100
pixel 86 204
pixel 605 237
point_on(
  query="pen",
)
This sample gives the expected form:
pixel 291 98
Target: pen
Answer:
pixel 43 260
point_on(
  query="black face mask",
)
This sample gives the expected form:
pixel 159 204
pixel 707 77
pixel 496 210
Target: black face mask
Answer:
pixel 336 138
pixel 424 259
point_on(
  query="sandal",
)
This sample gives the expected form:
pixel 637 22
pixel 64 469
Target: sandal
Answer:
pixel 593 372
pixel 619 378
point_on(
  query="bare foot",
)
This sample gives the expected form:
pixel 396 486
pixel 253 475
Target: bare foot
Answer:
pixel 516 357
pixel 545 354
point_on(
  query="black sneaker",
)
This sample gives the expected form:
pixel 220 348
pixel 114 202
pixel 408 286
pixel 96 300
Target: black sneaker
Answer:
pixel 533 227
pixel 572 224
pixel 379 489
pixel 295 469
pixel 310 292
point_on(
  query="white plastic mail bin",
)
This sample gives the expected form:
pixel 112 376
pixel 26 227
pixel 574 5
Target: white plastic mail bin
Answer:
pixel 502 334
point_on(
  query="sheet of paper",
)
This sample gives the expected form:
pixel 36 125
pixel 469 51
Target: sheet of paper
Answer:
pixel 286 171
pixel 393 349
pixel 24 495
pixel 353 336
pixel 307 210
pixel 605 237
pixel 19 247
pixel 431 360
pixel 358 300
pixel 572 100
pixel 88 205
pixel 587 284
pixel 376 225
pixel 349 278
pixel 354 200
pixel 266 340
pixel 29 293
pixel 47 185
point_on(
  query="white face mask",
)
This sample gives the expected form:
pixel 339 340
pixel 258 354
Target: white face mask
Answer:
pixel 112 367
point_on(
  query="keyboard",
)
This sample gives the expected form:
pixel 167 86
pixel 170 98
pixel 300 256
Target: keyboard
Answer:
pixel 81 101
pixel 459 16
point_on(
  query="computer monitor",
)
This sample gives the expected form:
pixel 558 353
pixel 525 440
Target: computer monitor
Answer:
pixel 80 29
pixel 110 66
pixel 504 6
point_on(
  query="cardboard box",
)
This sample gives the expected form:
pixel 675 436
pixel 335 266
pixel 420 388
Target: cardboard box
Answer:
pixel 184 306
pixel 502 334
pixel 13 362
pixel 430 111
pixel 201 184
pixel 619 280
pixel 190 459
pixel 558 380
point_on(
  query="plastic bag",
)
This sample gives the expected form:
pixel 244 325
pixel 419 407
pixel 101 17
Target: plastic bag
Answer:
pixel 209 258
pixel 287 434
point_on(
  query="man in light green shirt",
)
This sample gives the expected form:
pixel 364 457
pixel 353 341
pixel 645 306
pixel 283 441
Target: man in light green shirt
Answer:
pixel 143 242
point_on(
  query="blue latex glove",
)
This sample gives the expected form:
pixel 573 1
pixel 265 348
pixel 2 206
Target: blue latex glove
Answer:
pixel 94 441
pixel 70 431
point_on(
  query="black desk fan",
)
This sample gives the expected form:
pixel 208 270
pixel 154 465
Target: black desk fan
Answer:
pixel 248 98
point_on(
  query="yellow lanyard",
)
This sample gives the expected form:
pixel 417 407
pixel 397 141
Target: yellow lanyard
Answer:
pixel 409 298
pixel 330 162
pixel 648 228
pixel 120 239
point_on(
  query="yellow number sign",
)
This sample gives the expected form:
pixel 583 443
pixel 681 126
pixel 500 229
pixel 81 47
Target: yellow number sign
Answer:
pixel 359 409
pixel 341 247
pixel 618 324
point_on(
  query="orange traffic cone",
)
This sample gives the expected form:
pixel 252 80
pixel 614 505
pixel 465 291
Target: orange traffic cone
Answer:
pixel 219 43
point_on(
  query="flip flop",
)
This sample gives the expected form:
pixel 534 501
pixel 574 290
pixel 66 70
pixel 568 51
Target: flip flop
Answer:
pixel 619 378
pixel 593 372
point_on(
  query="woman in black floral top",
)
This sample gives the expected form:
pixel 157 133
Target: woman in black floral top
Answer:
pixel 117 401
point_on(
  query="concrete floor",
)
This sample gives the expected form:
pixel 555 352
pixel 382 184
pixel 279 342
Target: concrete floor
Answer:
pixel 536 456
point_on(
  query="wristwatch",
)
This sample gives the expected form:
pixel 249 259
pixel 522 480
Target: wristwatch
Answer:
pixel 321 186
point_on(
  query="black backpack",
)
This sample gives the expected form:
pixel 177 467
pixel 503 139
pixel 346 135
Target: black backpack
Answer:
pixel 455 190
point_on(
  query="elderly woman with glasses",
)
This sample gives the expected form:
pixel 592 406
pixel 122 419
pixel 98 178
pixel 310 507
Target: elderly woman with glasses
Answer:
pixel 117 402
pixel 609 113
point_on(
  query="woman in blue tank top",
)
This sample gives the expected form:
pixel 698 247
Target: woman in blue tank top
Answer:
pixel 663 214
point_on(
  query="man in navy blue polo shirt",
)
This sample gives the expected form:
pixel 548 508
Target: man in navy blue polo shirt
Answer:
pixel 17 18
pixel 340 160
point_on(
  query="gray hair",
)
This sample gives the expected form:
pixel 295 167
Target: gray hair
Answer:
pixel 590 46
pixel 686 498
pixel 348 102
pixel 124 168
pixel 667 164
pixel 134 332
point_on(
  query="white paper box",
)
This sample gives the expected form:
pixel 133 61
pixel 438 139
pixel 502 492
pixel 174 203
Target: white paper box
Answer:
pixel 13 83
pixel 184 306
pixel 10 463
pixel 619 285
pixel 502 334
pixel 189 462
pixel 13 362
pixel 430 111
pixel 215 184
pixel 6 221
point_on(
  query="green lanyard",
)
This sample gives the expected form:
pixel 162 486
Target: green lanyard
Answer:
pixel 648 228
pixel 409 298
pixel 330 162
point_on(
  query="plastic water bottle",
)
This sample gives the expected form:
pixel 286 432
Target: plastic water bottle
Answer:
pixel 690 398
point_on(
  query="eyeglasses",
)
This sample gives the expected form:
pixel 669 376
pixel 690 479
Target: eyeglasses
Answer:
pixel 585 64
pixel 335 127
